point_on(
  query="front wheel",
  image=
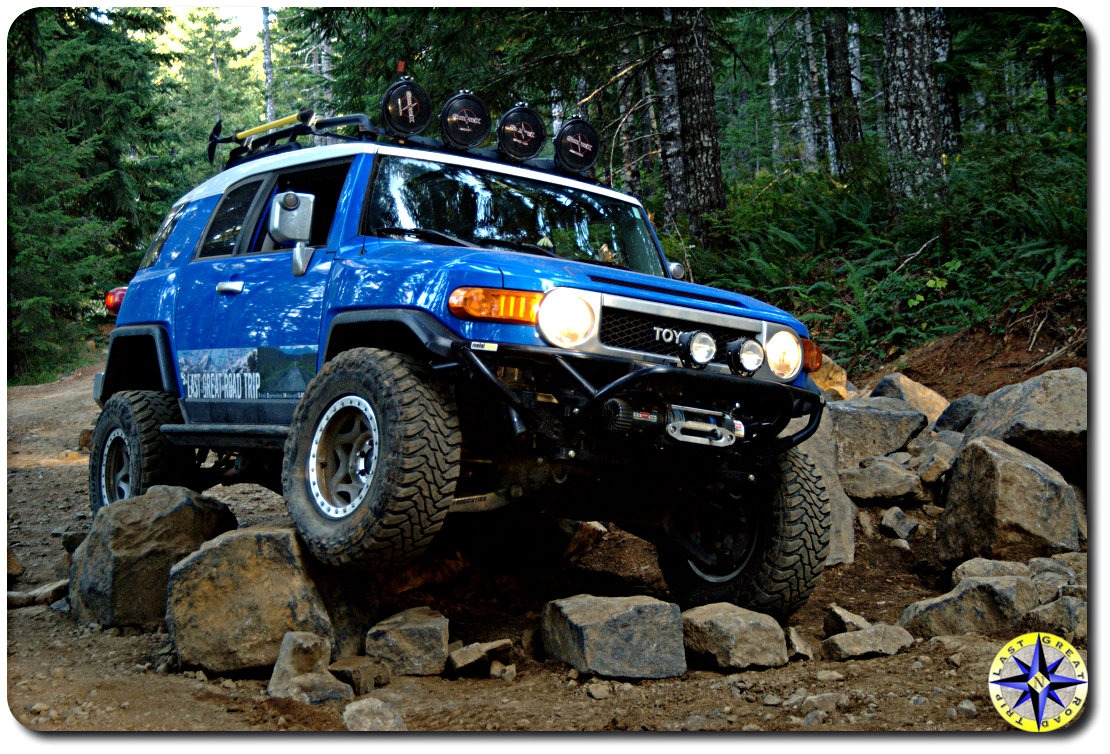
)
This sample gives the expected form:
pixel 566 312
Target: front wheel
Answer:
pixel 371 460
pixel 769 552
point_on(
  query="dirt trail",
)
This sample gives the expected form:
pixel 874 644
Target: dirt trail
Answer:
pixel 62 676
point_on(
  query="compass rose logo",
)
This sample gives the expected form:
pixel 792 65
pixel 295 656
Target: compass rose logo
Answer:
pixel 1038 682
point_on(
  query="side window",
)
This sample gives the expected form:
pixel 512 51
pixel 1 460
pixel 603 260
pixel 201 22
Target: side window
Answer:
pixel 323 182
pixel 162 235
pixel 223 234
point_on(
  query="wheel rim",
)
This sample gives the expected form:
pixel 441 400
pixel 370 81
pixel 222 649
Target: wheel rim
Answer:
pixel 343 456
pixel 737 541
pixel 115 468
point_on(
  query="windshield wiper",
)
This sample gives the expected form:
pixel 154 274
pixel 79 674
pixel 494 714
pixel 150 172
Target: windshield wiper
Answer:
pixel 615 265
pixel 529 248
pixel 426 234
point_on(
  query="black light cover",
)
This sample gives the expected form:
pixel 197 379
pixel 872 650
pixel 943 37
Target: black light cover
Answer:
pixel 520 132
pixel 464 120
pixel 406 107
pixel 577 146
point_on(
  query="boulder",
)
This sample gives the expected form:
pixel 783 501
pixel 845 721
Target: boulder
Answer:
pixel 879 639
pixel 119 572
pixel 372 714
pixel 959 413
pixel 363 674
pixel 872 427
pixel 821 449
pixel 948 437
pixel 478 656
pixel 1006 505
pixel 413 642
pixel 923 399
pixel 797 647
pixel 1065 617
pixel 351 599
pixel 1038 566
pixel 977 605
pixel 897 524
pixel 839 621
pixel 734 638
pixel 1072 590
pixel 231 602
pixel 934 462
pixel 988 568
pixel 1048 584
pixel 879 482
pixel 832 378
pixel 629 637
pixel 301 671
pixel 1045 417
pixel 1077 562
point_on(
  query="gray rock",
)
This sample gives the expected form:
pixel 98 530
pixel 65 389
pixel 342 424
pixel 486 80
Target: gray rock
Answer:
pixel 936 462
pixel 816 717
pixel 796 646
pixel 879 639
pixel 959 413
pixel 832 378
pixel 977 605
pixel 301 671
pixel 794 701
pixel 881 481
pixel 230 603
pixel 351 599
pixel 479 654
pixel 948 437
pixel 898 524
pixel 733 638
pixel 1077 562
pixel 413 642
pixel 872 427
pixel 901 544
pixel 921 398
pixel 1045 417
pixel 1038 566
pixel 598 691
pixel 987 568
pixel 1079 591
pixel 865 524
pixel 120 570
pixel 42 595
pixel 1065 617
pixel 625 637
pixel 821 449
pixel 829 676
pixel 1005 504
pixel 967 708
pixel 902 459
pixel 372 714
pixel 363 674
pixel 770 700
pixel 1047 584
pixel 838 621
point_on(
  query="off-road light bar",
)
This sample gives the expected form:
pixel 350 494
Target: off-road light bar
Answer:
pixel 464 120
pixel 521 133
pixel 744 356
pixel 406 107
pixel 697 348
pixel 577 145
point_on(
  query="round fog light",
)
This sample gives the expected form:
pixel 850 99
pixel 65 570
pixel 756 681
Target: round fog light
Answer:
pixel 697 348
pixel 744 356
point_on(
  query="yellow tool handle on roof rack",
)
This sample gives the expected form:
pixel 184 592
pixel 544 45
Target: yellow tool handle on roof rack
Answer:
pixel 286 121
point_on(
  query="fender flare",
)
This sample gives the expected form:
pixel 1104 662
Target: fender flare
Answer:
pixel 347 329
pixel 139 358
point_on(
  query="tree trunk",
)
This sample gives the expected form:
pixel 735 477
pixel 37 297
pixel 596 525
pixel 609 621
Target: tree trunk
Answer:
pixel 912 112
pixel 701 147
pixel 816 103
pixel 949 105
pixel 856 58
pixel 626 90
pixel 268 65
pixel 847 129
pixel 772 90
pixel 670 134
pixel 650 132
pixel 805 94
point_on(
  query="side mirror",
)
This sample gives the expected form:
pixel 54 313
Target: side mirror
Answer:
pixel 678 272
pixel 291 220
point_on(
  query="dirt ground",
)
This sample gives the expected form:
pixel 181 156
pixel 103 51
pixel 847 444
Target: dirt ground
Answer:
pixel 65 677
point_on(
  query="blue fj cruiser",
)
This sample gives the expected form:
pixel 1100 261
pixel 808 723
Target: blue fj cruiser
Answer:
pixel 391 330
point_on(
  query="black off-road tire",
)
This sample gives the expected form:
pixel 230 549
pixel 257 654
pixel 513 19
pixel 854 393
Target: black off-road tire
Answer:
pixel 383 510
pixel 787 555
pixel 129 452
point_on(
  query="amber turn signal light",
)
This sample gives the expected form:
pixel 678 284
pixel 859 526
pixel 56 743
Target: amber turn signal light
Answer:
pixel 811 356
pixel 496 305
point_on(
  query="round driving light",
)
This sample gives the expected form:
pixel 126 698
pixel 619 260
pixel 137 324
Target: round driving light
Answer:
pixel 565 319
pixel 577 146
pixel 697 348
pixel 784 354
pixel 406 107
pixel 464 120
pixel 744 356
pixel 520 132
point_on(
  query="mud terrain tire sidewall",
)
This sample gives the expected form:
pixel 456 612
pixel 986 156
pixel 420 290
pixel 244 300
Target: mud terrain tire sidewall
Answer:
pixel 138 415
pixel 789 556
pixel 417 465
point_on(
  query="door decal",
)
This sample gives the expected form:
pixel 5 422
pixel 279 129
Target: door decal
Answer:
pixel 247 373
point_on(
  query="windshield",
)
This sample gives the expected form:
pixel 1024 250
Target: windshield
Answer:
pixel 464 206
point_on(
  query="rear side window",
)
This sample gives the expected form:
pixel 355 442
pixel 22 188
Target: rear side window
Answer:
pixel 325 183
pixel 161 236
pixel 227 224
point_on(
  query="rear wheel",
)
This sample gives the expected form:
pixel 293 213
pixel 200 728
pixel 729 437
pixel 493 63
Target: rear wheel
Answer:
pixel 129 452
pixel 371 460
pixel 768 552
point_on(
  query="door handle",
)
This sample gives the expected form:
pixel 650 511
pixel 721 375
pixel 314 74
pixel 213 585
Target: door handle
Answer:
pixel 229 286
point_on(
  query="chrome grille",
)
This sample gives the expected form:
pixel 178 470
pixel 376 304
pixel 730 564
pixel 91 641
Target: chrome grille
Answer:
pixel 636 331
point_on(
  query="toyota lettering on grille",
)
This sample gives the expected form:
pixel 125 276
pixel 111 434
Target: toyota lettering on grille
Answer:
pixel 667 335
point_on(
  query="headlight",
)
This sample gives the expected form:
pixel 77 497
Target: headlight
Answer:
pixel 784 354
pixel 565 318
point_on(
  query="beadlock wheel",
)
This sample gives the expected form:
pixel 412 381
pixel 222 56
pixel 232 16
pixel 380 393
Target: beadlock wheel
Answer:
pixel 343 456
pixel 115 468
